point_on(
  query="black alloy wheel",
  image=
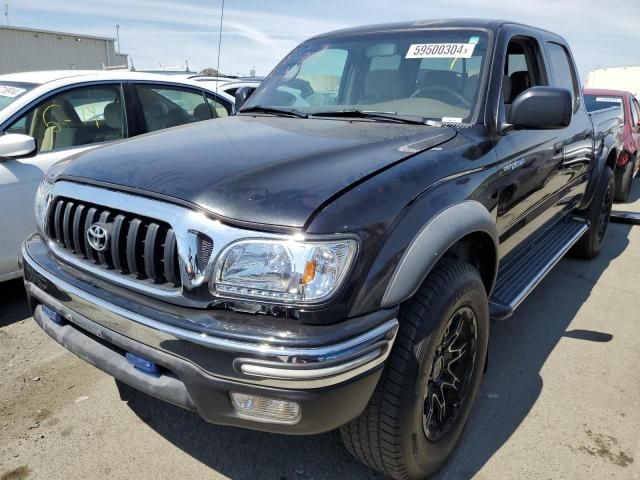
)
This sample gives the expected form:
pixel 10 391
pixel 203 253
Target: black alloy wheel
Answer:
pixel 448 383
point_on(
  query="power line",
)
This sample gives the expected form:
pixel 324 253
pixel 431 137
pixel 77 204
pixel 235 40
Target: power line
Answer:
pixel 219 45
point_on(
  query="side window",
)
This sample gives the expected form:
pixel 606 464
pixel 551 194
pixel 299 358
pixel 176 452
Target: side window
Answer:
pixel 316 81
pixel 219 108
pixel 73 118
pixel 522 68
pixel 635 112
pixel 563 71
pixel 168 106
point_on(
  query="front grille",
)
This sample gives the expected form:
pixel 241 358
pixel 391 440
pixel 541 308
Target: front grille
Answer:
pixel 139 247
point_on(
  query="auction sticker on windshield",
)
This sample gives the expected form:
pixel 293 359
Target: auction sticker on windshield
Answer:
pixel 608 99
pixel 11 92
pixel 441 50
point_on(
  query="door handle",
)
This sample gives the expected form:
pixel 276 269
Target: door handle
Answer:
pixel 558 148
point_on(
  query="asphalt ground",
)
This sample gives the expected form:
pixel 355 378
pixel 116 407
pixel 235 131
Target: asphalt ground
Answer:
pixel 561 398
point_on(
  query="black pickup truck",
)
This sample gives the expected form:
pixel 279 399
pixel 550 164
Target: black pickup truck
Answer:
pixel 331 256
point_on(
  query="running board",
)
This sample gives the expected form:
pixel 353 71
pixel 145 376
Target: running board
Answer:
pixel 523 269
pixel 625 217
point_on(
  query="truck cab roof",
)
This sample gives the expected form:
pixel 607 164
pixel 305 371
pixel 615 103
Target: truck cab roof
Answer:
pixel 462 23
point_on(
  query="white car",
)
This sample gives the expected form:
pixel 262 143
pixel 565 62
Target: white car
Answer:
pixel 48 116
pixel 228 86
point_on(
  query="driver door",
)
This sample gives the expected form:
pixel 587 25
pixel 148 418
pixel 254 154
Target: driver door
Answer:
pixel 62 125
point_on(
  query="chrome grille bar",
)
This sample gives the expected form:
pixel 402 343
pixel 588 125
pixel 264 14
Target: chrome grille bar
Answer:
pixel 140 242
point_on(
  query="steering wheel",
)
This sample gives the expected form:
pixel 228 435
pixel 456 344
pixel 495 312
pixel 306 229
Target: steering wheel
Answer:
pixel 439 88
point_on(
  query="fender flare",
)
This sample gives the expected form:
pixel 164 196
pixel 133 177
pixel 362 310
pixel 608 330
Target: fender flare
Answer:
pixel 432 242
pixel 602 151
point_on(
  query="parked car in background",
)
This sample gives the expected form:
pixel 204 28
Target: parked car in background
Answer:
pixel 228 86
pixel 627 107
pixel 626 79
pixel 296 269
pixel 48 116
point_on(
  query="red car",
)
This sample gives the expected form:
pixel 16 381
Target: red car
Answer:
pixel 628 162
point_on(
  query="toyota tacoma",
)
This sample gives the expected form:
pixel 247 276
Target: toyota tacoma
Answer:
pixel 330 257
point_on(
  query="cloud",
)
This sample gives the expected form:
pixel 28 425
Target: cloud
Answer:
pixel 260 33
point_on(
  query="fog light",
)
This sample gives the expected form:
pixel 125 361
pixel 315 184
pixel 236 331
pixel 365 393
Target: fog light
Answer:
pixel 263 409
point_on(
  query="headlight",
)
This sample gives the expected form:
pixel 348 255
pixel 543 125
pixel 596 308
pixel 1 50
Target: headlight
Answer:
pixel 283 271
pixel 42 201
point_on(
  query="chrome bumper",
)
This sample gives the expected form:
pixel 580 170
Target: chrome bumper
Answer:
pixel 258 360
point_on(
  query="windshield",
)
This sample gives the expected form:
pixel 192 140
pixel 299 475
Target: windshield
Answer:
pixel 434 74
pixel 11 91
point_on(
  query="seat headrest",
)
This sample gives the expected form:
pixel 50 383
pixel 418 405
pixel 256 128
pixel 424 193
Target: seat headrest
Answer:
pixel 520 81
pixel 381 82
pixel 62 112
pixel 201 112
pixel 157 110
pixel 113 115
pixel 506 89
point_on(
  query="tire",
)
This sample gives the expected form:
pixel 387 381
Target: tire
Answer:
pixel 389 435
pixel 624 179
pixel 597 215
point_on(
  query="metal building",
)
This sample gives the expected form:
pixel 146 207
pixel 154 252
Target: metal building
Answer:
pixel 26 49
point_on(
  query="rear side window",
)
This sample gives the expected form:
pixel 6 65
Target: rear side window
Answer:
pixel 168 106
pixel 563 71
pixel 218 108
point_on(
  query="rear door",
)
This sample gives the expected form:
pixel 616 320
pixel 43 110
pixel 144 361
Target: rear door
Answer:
pixel 62 124
pixel 578 141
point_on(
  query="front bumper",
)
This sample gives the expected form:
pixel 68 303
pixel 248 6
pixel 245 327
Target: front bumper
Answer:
pixel 203 355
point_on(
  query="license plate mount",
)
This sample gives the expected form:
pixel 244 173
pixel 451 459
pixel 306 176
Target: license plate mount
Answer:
pixel 142 364
pixel 54 316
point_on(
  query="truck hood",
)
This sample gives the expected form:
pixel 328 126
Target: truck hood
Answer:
pixel 262 169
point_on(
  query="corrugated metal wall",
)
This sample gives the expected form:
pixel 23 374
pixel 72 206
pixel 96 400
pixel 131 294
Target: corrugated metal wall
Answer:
pixel 28 50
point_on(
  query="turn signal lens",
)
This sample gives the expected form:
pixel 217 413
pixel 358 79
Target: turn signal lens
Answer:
pixel 309 272
pixel 264 409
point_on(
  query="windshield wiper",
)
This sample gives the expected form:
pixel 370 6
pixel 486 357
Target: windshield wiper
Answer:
pixel 373 115
pixel 274 111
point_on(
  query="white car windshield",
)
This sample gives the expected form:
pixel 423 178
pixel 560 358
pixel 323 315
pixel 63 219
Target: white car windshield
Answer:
pixel 434 74
pixel 11 91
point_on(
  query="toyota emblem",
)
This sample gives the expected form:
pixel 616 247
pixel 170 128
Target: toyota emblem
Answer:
pixel 98 237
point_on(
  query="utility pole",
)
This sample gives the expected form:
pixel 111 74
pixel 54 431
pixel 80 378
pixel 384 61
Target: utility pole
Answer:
pixel 6 11
pixel 118 36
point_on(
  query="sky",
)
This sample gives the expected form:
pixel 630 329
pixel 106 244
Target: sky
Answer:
pixel 602 33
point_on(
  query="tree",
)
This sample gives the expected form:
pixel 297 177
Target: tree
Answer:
pixel 212 72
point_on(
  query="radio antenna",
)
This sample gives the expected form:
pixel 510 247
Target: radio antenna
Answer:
pixel 219 46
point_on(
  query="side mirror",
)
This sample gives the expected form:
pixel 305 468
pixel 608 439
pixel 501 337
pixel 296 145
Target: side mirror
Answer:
pixel 542 108
pixel 242 94
pixel 16 145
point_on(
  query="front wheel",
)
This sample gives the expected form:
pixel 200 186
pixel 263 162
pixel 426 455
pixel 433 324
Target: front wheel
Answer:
pixel 423 400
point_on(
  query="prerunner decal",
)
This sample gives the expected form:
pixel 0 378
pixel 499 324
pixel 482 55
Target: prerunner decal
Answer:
pixel 440 50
